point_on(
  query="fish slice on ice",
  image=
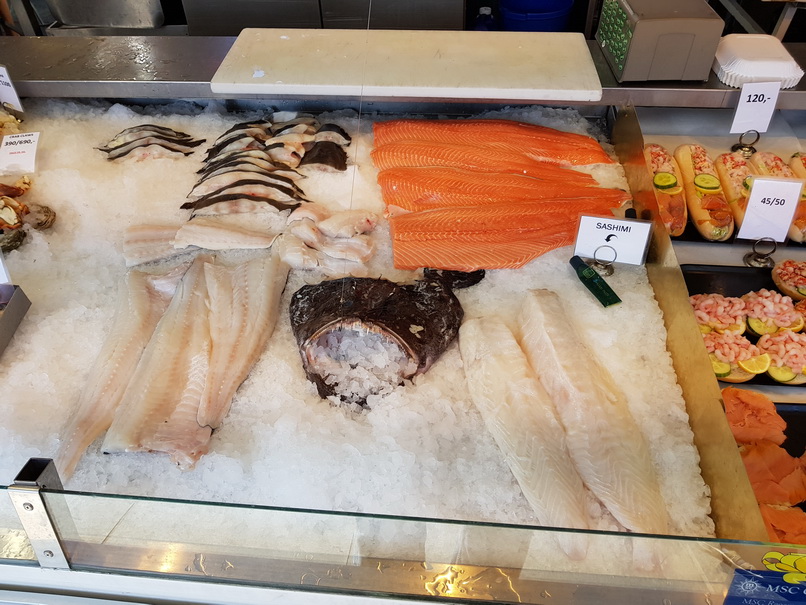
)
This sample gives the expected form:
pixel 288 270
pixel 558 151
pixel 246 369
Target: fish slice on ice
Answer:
pixel 219 233
pixel 244 300
pixel 521 418
pixel 603 439
pixel 142 300
pixel 158 411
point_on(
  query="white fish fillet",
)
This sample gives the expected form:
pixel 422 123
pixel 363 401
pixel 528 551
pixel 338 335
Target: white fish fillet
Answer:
pixel 214 233
pixel 142 300
pixel 147 243
pixel 244 302
pixel 521 418
pixel 603 439
pixel 348 223
pixel 158 411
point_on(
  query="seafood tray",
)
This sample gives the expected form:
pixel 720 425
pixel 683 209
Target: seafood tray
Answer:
pixel 731 281
pixel 11 314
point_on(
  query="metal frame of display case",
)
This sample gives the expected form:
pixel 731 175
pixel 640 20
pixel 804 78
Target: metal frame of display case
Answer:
pixel 330 556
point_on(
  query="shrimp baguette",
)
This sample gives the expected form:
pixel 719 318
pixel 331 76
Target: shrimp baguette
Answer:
pixel 707 206
pixel 668 186
pixel 735 176
pixel 765 163
pixel 798 164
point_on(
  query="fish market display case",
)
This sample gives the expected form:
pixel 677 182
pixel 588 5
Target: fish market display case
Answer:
pixel 215 552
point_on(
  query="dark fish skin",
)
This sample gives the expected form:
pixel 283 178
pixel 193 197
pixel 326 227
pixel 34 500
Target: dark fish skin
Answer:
pixel 185 147
pixel 423 317
pixel 326 153
pixel 234 197
pixel 333 133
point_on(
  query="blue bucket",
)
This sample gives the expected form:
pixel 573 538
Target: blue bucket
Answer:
pixel 555 21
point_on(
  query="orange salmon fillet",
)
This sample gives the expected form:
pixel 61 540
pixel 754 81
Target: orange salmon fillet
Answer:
pixel 776 477
pixel 469 256
pixel 415 188
pixel 538 142
pixel 784 524
pixel 492 218
pixel 467 157
pixel 752 416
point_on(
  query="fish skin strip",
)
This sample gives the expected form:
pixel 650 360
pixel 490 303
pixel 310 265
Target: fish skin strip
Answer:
pixel 538 142
pixel 158 412
pixel 244 305
pixel 466 157
pixel 147 243
pixel 521 418
pixel 607 447
pixel 142 300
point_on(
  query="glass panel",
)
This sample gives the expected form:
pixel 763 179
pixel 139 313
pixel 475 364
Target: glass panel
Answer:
pixel 389 555
pixel 14 544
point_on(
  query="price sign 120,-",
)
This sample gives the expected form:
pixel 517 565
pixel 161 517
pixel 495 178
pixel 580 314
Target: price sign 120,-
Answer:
pixel 757 103
pixel 770 208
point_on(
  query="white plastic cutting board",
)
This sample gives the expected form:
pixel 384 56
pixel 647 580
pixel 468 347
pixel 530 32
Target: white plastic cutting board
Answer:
pixel 541 66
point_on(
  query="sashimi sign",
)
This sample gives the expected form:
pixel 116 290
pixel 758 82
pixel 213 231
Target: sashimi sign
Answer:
pixel 609 239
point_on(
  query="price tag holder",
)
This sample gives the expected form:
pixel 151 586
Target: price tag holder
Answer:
pixel 757 102
pixel 8 94
pixel 612 239
pixel 770 208
pixel 18 153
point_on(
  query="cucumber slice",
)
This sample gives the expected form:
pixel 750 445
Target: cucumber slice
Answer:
pixel 782 374
pixel 759 327
pixel 664 180
pixel 707 182
pixel 747 182
pixel 721 369
pixel 802 290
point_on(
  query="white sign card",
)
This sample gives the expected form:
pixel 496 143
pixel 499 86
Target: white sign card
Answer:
pixel 18 153
pixel 757 102
pixel 609 239
pixel 770 208
pixel 5 278
pixel 8 94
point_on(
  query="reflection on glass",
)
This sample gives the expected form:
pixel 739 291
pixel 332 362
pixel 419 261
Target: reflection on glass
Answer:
pixel 14 544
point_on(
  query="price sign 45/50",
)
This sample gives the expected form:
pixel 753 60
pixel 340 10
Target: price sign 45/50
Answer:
pixel 772 201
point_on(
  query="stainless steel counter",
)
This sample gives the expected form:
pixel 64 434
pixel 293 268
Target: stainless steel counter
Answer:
pixel 171 67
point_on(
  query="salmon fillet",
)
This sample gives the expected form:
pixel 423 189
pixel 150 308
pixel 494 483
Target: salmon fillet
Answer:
pixel 538 142
pixel 461 251
pixel 752 416
pixel 776 477
pixel 416 188
pixel 784 524
pixel 467 157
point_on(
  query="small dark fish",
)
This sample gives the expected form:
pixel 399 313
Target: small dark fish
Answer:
pixel 164 130
pixel 257 187
pixel 185 148
pixel 326 155
pixel 264 125
pixel 333 133
pixel 144 131
pixel 230 203
pixel 422 318
pixel 300 124
pixel 233 142
pixel 271 196
pixel 250 164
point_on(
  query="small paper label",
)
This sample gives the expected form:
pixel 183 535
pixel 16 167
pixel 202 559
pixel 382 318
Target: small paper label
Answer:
pixel 757 103
pixel 8 94
pixel 5 278
pixel 613 240
pixel 18 153
pixel 770 208
pixel 752 587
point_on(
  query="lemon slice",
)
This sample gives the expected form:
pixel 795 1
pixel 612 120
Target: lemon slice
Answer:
pixel 738 328
pixel 757 326
pixel 721 369
pixel 797 325
pixel 782 374
pixel 756 365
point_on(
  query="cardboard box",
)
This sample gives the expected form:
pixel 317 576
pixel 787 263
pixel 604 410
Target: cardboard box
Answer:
pixel 11 316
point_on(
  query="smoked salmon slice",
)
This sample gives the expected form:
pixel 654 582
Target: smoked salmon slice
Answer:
pixel 419 188
pixel 538 142
pixel 468 157
pixel 784 524
pixel 752 416
pixel 776 477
